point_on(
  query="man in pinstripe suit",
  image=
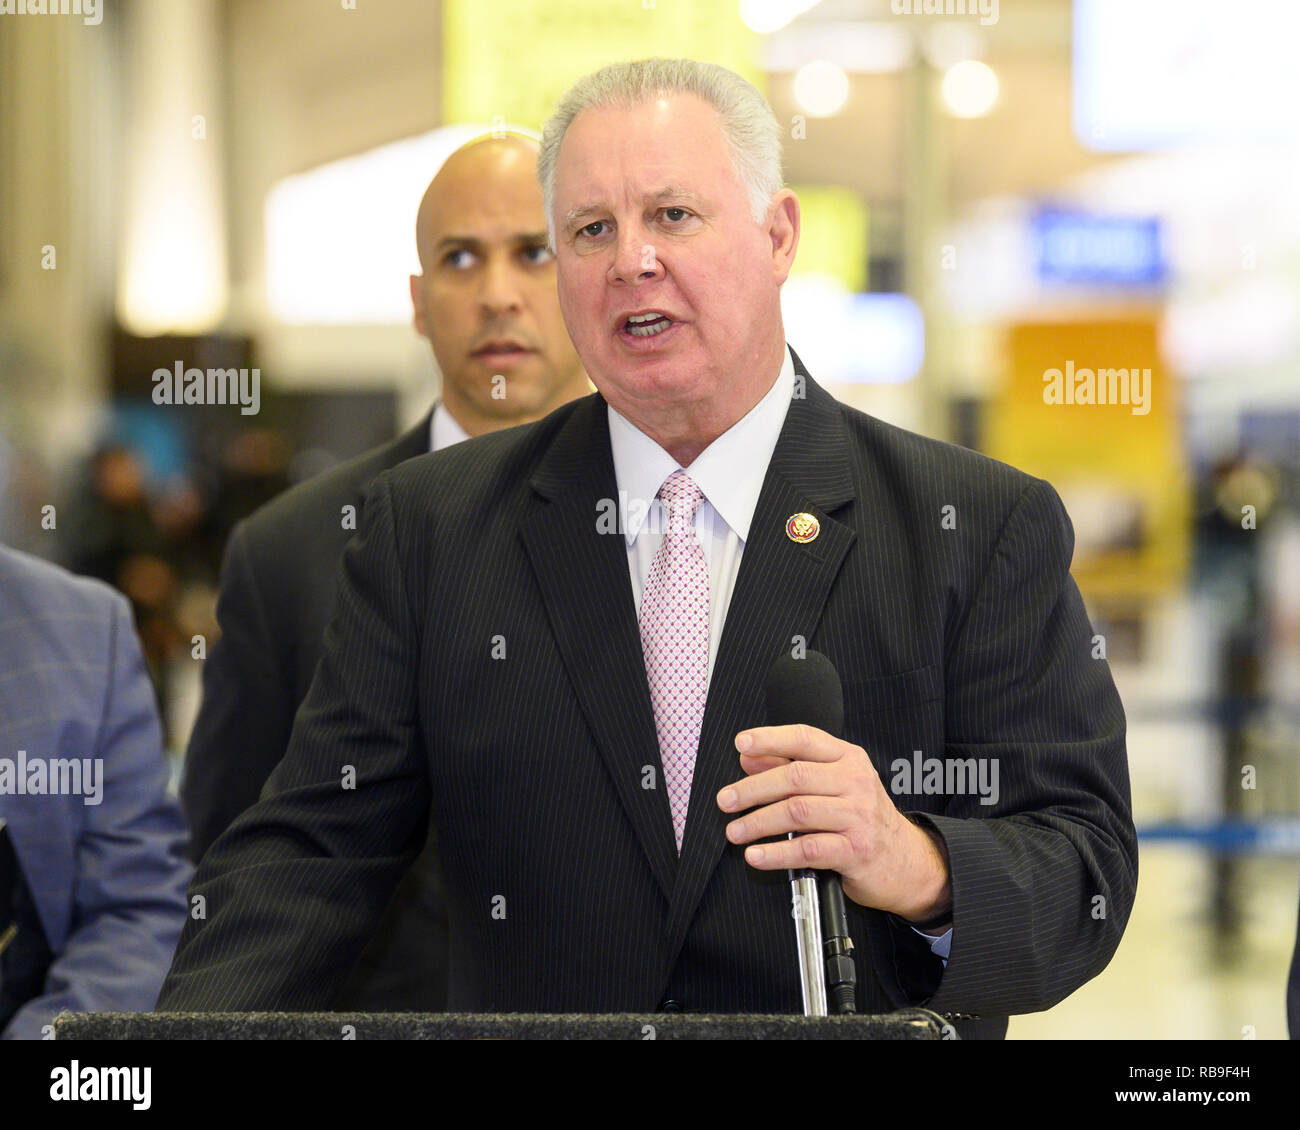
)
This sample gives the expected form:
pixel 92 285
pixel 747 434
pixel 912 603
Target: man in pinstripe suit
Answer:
pixel 489 657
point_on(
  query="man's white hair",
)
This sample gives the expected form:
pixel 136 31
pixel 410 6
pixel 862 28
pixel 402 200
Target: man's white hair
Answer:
pixel 751 129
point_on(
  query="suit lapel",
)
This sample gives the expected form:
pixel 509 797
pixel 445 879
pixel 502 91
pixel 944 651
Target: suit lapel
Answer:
pixel 587 591
pixel 781 589
pixel 413 442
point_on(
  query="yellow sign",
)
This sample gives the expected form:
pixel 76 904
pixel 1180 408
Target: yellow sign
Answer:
pixel 1089 407
pixel 512 60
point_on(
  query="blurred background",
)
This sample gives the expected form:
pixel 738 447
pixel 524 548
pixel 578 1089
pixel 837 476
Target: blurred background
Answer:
pixel 999 200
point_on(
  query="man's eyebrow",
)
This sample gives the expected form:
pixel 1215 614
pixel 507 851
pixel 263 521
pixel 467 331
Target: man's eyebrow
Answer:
pixel 671 192
pixel 472 241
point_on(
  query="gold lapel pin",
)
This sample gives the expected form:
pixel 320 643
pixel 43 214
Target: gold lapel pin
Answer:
pixel 802 528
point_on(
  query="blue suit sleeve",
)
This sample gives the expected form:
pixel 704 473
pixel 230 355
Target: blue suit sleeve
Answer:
pixel 131 872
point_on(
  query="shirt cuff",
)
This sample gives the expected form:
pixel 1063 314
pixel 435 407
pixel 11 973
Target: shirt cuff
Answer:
pixel 940 946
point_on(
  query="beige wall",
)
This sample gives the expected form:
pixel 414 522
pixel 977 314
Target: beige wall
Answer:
pixel 307 83
pixel 57 107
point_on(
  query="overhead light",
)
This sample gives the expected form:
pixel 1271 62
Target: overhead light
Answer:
pixel 821 88
pixel 970 88
pixel 172 274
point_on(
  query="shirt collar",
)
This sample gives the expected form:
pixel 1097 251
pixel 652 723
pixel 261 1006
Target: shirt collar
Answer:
pixel 730 471
pixel 443 429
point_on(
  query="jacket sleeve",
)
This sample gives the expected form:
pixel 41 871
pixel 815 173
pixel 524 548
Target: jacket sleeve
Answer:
pixel 1043 879
pixel 289 894
pixel 131 871
pixel 244 723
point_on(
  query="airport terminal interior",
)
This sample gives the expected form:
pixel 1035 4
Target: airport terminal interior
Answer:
pixel 1064 234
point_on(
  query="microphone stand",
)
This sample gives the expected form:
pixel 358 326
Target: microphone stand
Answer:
pixel 808 935
pixel 807 688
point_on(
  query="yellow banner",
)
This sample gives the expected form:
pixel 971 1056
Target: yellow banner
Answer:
pixel 833 226
pixel 1089 406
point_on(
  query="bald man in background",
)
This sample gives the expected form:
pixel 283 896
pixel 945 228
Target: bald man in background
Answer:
pixel 486 301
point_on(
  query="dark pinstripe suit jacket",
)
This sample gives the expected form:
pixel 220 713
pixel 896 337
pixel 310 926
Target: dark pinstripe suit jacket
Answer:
pixel 484 657
pixel 277 592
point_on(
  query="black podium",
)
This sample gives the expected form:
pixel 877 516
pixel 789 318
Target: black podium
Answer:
pixel 906 1024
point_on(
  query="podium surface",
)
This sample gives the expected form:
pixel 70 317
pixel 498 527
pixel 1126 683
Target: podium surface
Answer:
pixel 906 1024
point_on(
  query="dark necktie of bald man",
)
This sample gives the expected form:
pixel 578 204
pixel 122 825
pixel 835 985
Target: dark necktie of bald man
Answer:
pixel 675 641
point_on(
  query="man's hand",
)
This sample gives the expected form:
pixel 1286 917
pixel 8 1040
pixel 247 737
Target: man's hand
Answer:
pixel 827 792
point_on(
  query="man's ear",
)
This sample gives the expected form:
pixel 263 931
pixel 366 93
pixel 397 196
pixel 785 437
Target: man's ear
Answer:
pixel 783 228
pixel 417 303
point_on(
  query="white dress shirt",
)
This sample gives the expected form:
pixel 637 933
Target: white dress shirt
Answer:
pixel 730 473
pixel 443 429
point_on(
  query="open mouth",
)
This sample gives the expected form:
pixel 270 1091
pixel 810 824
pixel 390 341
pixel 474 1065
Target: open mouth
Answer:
pixel 646 325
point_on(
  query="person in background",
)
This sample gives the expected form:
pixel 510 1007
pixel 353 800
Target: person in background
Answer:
pixel 486 301
pixel 113 535
pixel 92 863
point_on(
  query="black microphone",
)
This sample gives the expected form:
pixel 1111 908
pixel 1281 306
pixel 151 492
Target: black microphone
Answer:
pixel 808 690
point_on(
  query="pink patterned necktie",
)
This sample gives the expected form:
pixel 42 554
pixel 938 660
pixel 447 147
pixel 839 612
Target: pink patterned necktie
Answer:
pixel 675 641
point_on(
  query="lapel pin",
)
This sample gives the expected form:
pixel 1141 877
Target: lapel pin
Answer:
pixel 802 528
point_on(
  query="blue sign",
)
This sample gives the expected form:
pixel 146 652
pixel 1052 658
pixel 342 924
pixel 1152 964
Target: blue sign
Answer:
pixel 893 330
pixel 1098 250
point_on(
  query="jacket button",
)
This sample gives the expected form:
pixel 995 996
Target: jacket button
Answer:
pixel 670 1005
